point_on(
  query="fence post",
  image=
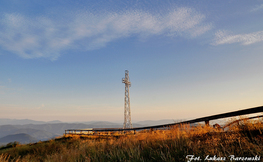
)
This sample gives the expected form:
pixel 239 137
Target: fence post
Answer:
pixel 207 122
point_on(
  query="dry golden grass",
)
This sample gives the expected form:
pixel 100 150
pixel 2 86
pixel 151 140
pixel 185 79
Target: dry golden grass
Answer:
pixel 243 139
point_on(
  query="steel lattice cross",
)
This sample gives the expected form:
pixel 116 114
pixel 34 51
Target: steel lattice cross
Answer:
pixel 127 112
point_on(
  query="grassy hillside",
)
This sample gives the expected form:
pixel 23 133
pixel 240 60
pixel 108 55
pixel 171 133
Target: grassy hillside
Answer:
pixel 245 139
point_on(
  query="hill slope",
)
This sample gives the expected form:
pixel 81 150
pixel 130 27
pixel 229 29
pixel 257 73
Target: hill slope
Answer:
pixel 36 133
pixel 175 144
pixel 21 137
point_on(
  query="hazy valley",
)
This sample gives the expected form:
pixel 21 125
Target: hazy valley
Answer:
pixel 29 131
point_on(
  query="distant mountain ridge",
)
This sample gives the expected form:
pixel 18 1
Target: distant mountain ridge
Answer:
pixel 36 133
pixel 51 130
pixel 40 130
pixel 5 121
pixel 21 138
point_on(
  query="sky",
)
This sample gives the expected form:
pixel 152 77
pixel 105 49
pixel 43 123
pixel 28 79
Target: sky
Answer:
pixel 65 59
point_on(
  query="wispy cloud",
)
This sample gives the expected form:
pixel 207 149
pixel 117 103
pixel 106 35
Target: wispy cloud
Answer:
pixel 256 8
pixel 224 37
pixel 33 37
pixel 41 106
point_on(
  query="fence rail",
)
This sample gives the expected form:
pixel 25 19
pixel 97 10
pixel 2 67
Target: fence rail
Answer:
pixel 203 119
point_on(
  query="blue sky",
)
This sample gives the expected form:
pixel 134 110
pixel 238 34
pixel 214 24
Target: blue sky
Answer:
pixel 64 60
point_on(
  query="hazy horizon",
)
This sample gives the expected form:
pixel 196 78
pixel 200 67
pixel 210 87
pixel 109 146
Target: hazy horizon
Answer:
pixel 113 121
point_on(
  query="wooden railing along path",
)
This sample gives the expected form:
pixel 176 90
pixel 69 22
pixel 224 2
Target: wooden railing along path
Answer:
pixel 203 119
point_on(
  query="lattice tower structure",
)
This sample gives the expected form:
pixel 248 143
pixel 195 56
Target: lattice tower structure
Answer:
pixel 127 111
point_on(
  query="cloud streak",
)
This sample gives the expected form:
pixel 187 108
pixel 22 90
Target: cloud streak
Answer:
pixel 223 37
pixel 34 37
pixel 258 7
